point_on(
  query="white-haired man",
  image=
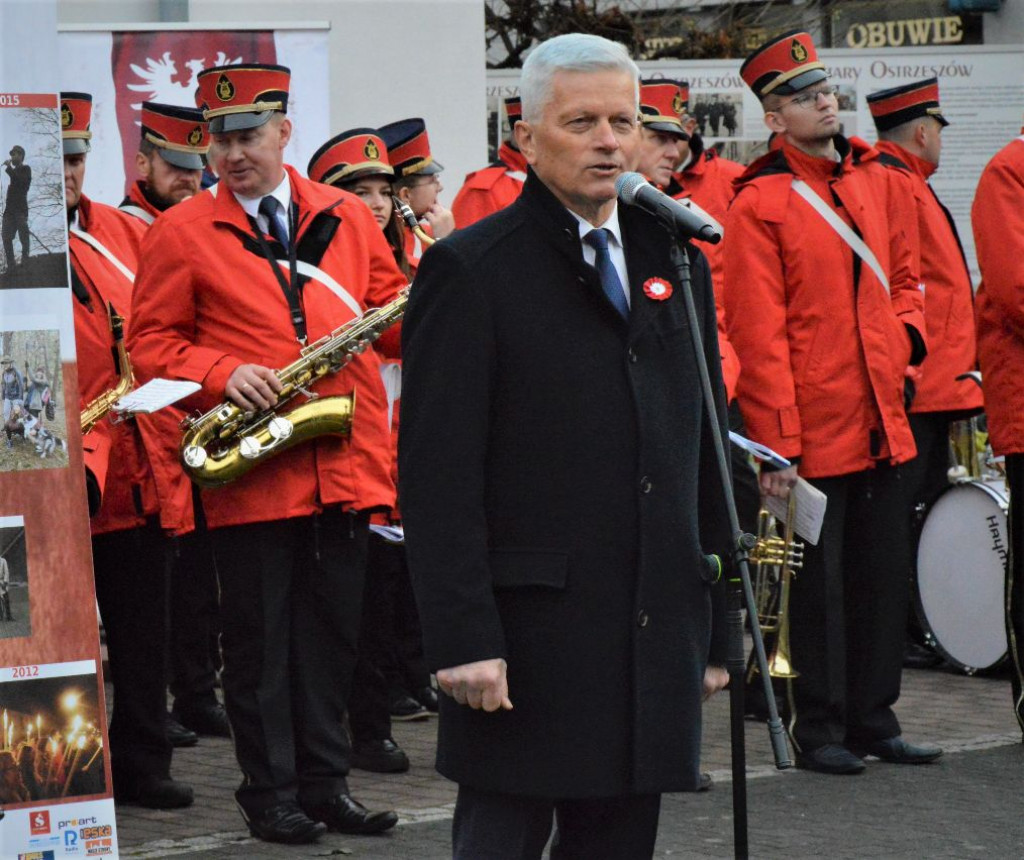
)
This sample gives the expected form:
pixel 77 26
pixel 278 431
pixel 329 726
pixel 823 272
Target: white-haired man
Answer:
pixel 554 458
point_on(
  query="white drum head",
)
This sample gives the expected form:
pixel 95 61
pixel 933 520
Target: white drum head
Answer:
pixel 961 560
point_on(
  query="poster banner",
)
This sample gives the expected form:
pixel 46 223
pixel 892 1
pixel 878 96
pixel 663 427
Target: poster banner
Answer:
pixel 981 88
pixel 123 69
pixel 55 786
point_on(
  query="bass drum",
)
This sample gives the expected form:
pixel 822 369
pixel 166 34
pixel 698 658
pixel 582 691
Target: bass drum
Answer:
pixel 961 571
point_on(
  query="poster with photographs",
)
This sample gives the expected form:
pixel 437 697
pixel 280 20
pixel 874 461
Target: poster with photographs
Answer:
pixel 14 580
pixel 34 433
pixel 52 747
pixel 32 225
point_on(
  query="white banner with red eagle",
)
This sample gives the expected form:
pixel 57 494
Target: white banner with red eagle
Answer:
pixel 123 69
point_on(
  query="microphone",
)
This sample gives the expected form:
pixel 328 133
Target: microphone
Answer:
pixel 689 221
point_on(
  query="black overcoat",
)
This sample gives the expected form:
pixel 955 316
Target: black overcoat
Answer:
pixel 559 491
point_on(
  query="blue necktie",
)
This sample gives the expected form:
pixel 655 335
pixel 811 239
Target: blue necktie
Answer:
pixel 269 207
pixel 610 283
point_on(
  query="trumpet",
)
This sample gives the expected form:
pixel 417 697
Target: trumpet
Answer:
pixel 776 559
pixel 405 212
pixel 99 408
pixel 227 442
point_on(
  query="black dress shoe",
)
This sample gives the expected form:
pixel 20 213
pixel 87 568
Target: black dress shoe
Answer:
pixel 404 708
pixel 428 698
pixel 383 756
pixel 706 782
pixel 153 792
pixel 205 719
pixel 178 735
pixel 898 751
pixel 286 822
pixel 344 815
pixel 830 758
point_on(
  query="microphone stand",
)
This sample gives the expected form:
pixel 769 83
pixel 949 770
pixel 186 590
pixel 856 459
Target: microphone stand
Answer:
pixel 740 592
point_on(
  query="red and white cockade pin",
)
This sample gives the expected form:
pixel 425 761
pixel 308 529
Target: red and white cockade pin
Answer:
pixel 658 289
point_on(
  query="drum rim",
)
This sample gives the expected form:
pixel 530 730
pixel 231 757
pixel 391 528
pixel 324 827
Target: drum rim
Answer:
pixel 933 641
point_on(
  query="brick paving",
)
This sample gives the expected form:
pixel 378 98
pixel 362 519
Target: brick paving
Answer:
pixel 970 804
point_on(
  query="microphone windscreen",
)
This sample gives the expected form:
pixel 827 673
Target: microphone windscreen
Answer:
pixel 627 185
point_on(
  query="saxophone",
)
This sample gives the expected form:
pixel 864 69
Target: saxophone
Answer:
pixel 404 211
pixel 99 408
pixel 227 442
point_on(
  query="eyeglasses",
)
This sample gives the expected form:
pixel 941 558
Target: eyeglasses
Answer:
pixel 810 98
pixel 433 180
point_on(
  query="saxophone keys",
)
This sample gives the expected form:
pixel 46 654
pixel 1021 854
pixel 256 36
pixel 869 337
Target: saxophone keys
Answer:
pixel 249 447
pixel 281 428
pixel 194 456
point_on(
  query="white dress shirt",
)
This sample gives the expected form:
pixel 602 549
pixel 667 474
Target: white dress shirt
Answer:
pixel 616 250
pixel 283 195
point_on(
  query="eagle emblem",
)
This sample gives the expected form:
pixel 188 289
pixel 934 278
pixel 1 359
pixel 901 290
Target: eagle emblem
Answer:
pixel 67 117
pixel 225 89
pixel 371 150
pixel 678 104
pixel 798 52
pixel 195 137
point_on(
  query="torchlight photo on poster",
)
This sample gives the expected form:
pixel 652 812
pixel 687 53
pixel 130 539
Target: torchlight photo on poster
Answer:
pixel 52 747
pixel 15 620
pixel 33 252
pixel 34 433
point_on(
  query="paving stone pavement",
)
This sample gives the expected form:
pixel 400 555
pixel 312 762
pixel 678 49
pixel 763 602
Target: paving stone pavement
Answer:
pixel 970 804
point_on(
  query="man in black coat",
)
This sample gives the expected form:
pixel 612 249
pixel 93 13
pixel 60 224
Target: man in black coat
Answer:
pixel 559 488
pixel 15 220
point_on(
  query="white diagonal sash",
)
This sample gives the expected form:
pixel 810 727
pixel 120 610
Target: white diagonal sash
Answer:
pixel 315 272
pixel 103 251
pixel 846 233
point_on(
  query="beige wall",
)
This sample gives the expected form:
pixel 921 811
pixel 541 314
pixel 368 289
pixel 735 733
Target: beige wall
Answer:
pixel 389 59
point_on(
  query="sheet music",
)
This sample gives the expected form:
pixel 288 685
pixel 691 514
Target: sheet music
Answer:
pixel 155 395
pixel 810 510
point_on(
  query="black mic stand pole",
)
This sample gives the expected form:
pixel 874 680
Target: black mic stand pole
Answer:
pixel 740 590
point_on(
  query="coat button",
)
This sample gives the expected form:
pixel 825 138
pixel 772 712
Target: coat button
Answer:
pixel 641 619
pixel 645 485
pixel 632 355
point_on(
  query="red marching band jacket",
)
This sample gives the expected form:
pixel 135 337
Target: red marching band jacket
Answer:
pixel 137 204
pixel 493 188
pixel 948 295
pixel 202 319
pixel 708 181
pixel 114 453
pixel 822 358
pixel 998 223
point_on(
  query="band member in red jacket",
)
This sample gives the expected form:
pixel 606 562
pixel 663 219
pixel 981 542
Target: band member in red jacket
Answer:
pixel 999 239
pixel 909 121
pixel 825 314
pixel 234 282
pixel 497 185
pixel 417 183
pixel 172 154
pixel 172 150
pixel 661 103
pixel 128 546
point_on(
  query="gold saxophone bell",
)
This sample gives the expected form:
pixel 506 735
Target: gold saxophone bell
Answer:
pixel 775 558
pixel 405 212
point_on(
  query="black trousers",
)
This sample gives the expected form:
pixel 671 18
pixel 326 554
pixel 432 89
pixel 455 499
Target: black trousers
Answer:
pixel 1015 583
pixel 195 623
pixel 15 223
pixel 291 596
pixel 493 826
pixel 746 488
pixel 131 587
pixel 848 611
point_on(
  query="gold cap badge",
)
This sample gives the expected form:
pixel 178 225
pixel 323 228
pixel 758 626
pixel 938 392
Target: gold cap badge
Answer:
pixel 225 89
